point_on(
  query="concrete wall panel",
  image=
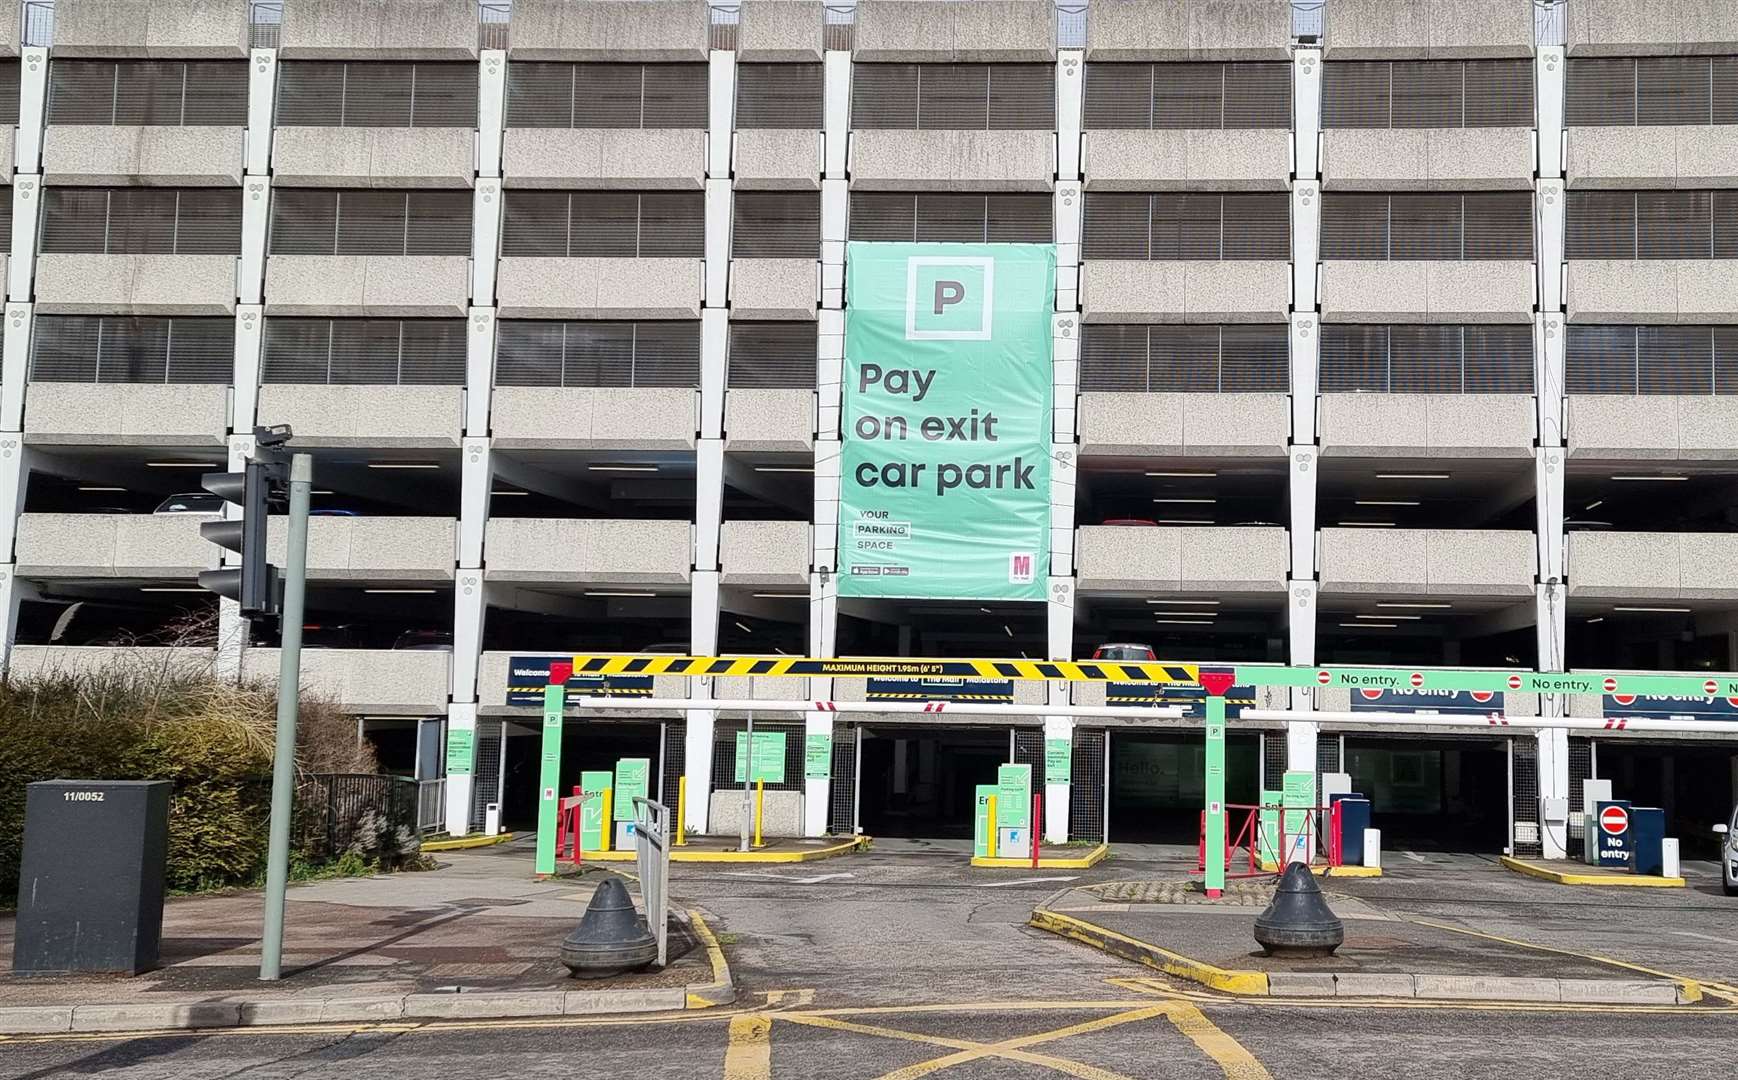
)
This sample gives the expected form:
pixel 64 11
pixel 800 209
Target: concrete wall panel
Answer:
pixel 779 30
pixel 1428 425
pixel 1434 562
pixel 1124 559
pixel 135 284
pixel 1653 291
pixel 192 29
pixel 112 546
pixel 1171 159
pixel 573 417
pixel 624 30
pixel 373 548
pixel 598 288
pixel 374 157
pixel 774 288
pixel 930 30
pixel 769 420
pixel 380 29
pixel 398 286
pixel 625 158
pixel 365 416
pixel 1188 30
pixel 126 414
pixel 120 155
pixel 1211 425
pixel 1124 290
pixel 1427 159
pixel 951 160
pixel 1381 29
pixel 1643 28
pixel 404 681
pixel 777 158
pixel 765 552
pixel 556 549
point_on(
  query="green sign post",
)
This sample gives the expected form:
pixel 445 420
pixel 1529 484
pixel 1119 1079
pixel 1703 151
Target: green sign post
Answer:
pixel 549 780
pixel 632 777
pixel 769 756
pixel 1215 794
pixel 1269 843
pixel 945 466
pixel 1058 759
pixel 1014 797
pixel 817 756
pixel 1299 798
pixel 460 744
pixel 592 783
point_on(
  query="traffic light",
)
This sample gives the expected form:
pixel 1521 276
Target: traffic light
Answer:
pixel 253 584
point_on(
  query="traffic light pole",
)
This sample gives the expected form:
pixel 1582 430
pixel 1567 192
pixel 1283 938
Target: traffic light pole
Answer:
pixel 289 690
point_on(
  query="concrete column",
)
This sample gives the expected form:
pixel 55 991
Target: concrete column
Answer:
pixel 461 725
pixel 470 609
pixel 245 376
pixel 709 502
pixel 1305 376
pixel 12 593
pixel 1063 476
pixel 14 486
pixel 20 268
pixel 491 111
pixel 714 341
pixel 1304 384
pixel 32 108
pixel 817 790
pixel 703 622
pixel 1306 113
pixel 1554 784
pixel 1300 735
pixel 15 365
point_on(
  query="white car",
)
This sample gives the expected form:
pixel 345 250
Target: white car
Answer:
pixel 1728 834
pixel 202 503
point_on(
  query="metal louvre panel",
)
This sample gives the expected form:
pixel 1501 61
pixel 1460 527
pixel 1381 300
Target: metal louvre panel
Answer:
pixel 1186 226
pixel 444 95
pixel 673 224
pixel 953 97
pixel 310 94
pixel 79 91
pixel 772 355
pixel 1254 359
pixel 74 220
pixel 534 224
pixel 149 92
pixel 842 806
pixel 1258 95
pixel 1022 97
pixel 597 354
pixel 1673 90
pixel 304 222
pixel 1355 94
pixel 208 221
pixel 1725 82
pixel 1354 359
pixel 1725 213
pixel 607 95
pixel 1118 96
pixel 5 224
pixel 1354 226
pixel 1599 225
pixel 377 94
pixel 365 352
pixel 142 221
pixel 1183 359
pixel 666 354
pixel 779 96
pixel 432 352
pixel 882 216
pixel 1725 359
pixel 604 224
pixel 296 350
pixel 1424 226
pixel 1497 359
pixel 370 222
pixel 1599 92
pixel 1674 360
pixel 1600 360
pixel 775 225
pixel 1497 226
pixel 945 219
pixel 674 96
pixel 1116 226
pixel 1256 226
pixel 528 353
pixel 1018 219
pixel 1188 96
pixel 1087 785
pixel 1428 94
pixel 133 351
pixel 1424 360
pixel 539 95
pixel 63 348
pixel 9 86
pixel 1673 225
pixel 1499 93
pixel 201 350
pixel 883 96
pixel 1113 358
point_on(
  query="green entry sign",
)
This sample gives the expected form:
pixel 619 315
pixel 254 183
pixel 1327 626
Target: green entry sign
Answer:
pixel 1014 797
pixel 983 844
pixel 592 784
pixel 1058 759
pixel 460 748
pixel 549 776
pixel 632 776
pixel 769 756
pixel 817 755
pixel 945 467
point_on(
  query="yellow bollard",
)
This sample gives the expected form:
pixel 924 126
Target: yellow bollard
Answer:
pixel 681 810
pixel 609 827
pixel 990 815
pixel 759 805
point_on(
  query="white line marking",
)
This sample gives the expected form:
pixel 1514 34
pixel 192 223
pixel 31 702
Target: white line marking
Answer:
pixel 1414 856
pixel 764 876
pixel 1706 937
pixel 1022 881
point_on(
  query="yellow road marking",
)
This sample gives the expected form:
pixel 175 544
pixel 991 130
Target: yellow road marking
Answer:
pixel 1062 1065
pixel 1207 998
pixel 748 1056
pixel 1233 1060
pixel 912 1072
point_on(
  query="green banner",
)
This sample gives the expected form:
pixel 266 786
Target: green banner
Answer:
pixel 460 748
pixel 632 774
pixel 769 756
pixel 1526 682
pixel 945 467
pixel 1058 759
pixel 554 701
pixel 817 756
pixel 1013 796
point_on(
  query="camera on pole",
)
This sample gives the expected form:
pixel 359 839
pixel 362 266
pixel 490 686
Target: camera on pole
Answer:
pixel 253 583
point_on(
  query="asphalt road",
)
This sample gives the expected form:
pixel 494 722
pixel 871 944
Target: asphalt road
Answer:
pixel 908 966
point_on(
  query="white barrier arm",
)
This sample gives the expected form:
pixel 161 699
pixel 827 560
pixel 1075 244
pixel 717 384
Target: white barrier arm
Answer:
pixel 928 708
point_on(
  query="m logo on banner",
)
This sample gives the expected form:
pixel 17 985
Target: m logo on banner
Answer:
pixel 949 298
pixel 1020 568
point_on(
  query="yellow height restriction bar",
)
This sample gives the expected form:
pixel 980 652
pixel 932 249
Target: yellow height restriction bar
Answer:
pixel 796 666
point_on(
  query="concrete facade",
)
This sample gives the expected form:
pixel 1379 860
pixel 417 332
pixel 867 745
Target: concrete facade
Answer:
pixel 1185 291
pixel 1653 291
pixel 373 157
pixel 1228 160
pixel 192 156
pixel 1476 291
pixel 135 284
pixel 1427 159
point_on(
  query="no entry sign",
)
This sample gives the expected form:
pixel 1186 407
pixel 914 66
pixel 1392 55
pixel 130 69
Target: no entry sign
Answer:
pixel 1614 820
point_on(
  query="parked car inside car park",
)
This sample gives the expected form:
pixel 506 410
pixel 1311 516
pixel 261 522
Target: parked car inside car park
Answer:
pixel 193 502
pixel 1125 652
pixel 1728 834
pixel 425 641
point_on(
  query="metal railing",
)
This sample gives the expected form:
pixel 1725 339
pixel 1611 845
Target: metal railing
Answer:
pixel 1550 22
pixel 264 22
pixel 37 23
pixel 839 27
pixel 1309 21
pixel 725 19
pixel 652 839
pixel 494 18
pixel 431 805
pixel 340 811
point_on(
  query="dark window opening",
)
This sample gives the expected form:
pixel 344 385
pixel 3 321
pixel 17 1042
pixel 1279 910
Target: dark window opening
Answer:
pixel 618 354
pixel 376 352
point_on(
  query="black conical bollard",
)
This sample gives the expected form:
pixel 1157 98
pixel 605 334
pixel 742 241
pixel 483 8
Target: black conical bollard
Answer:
pixel 611 938
pixel 1298 922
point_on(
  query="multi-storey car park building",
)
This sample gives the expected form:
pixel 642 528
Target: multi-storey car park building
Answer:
pixel 1411 327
